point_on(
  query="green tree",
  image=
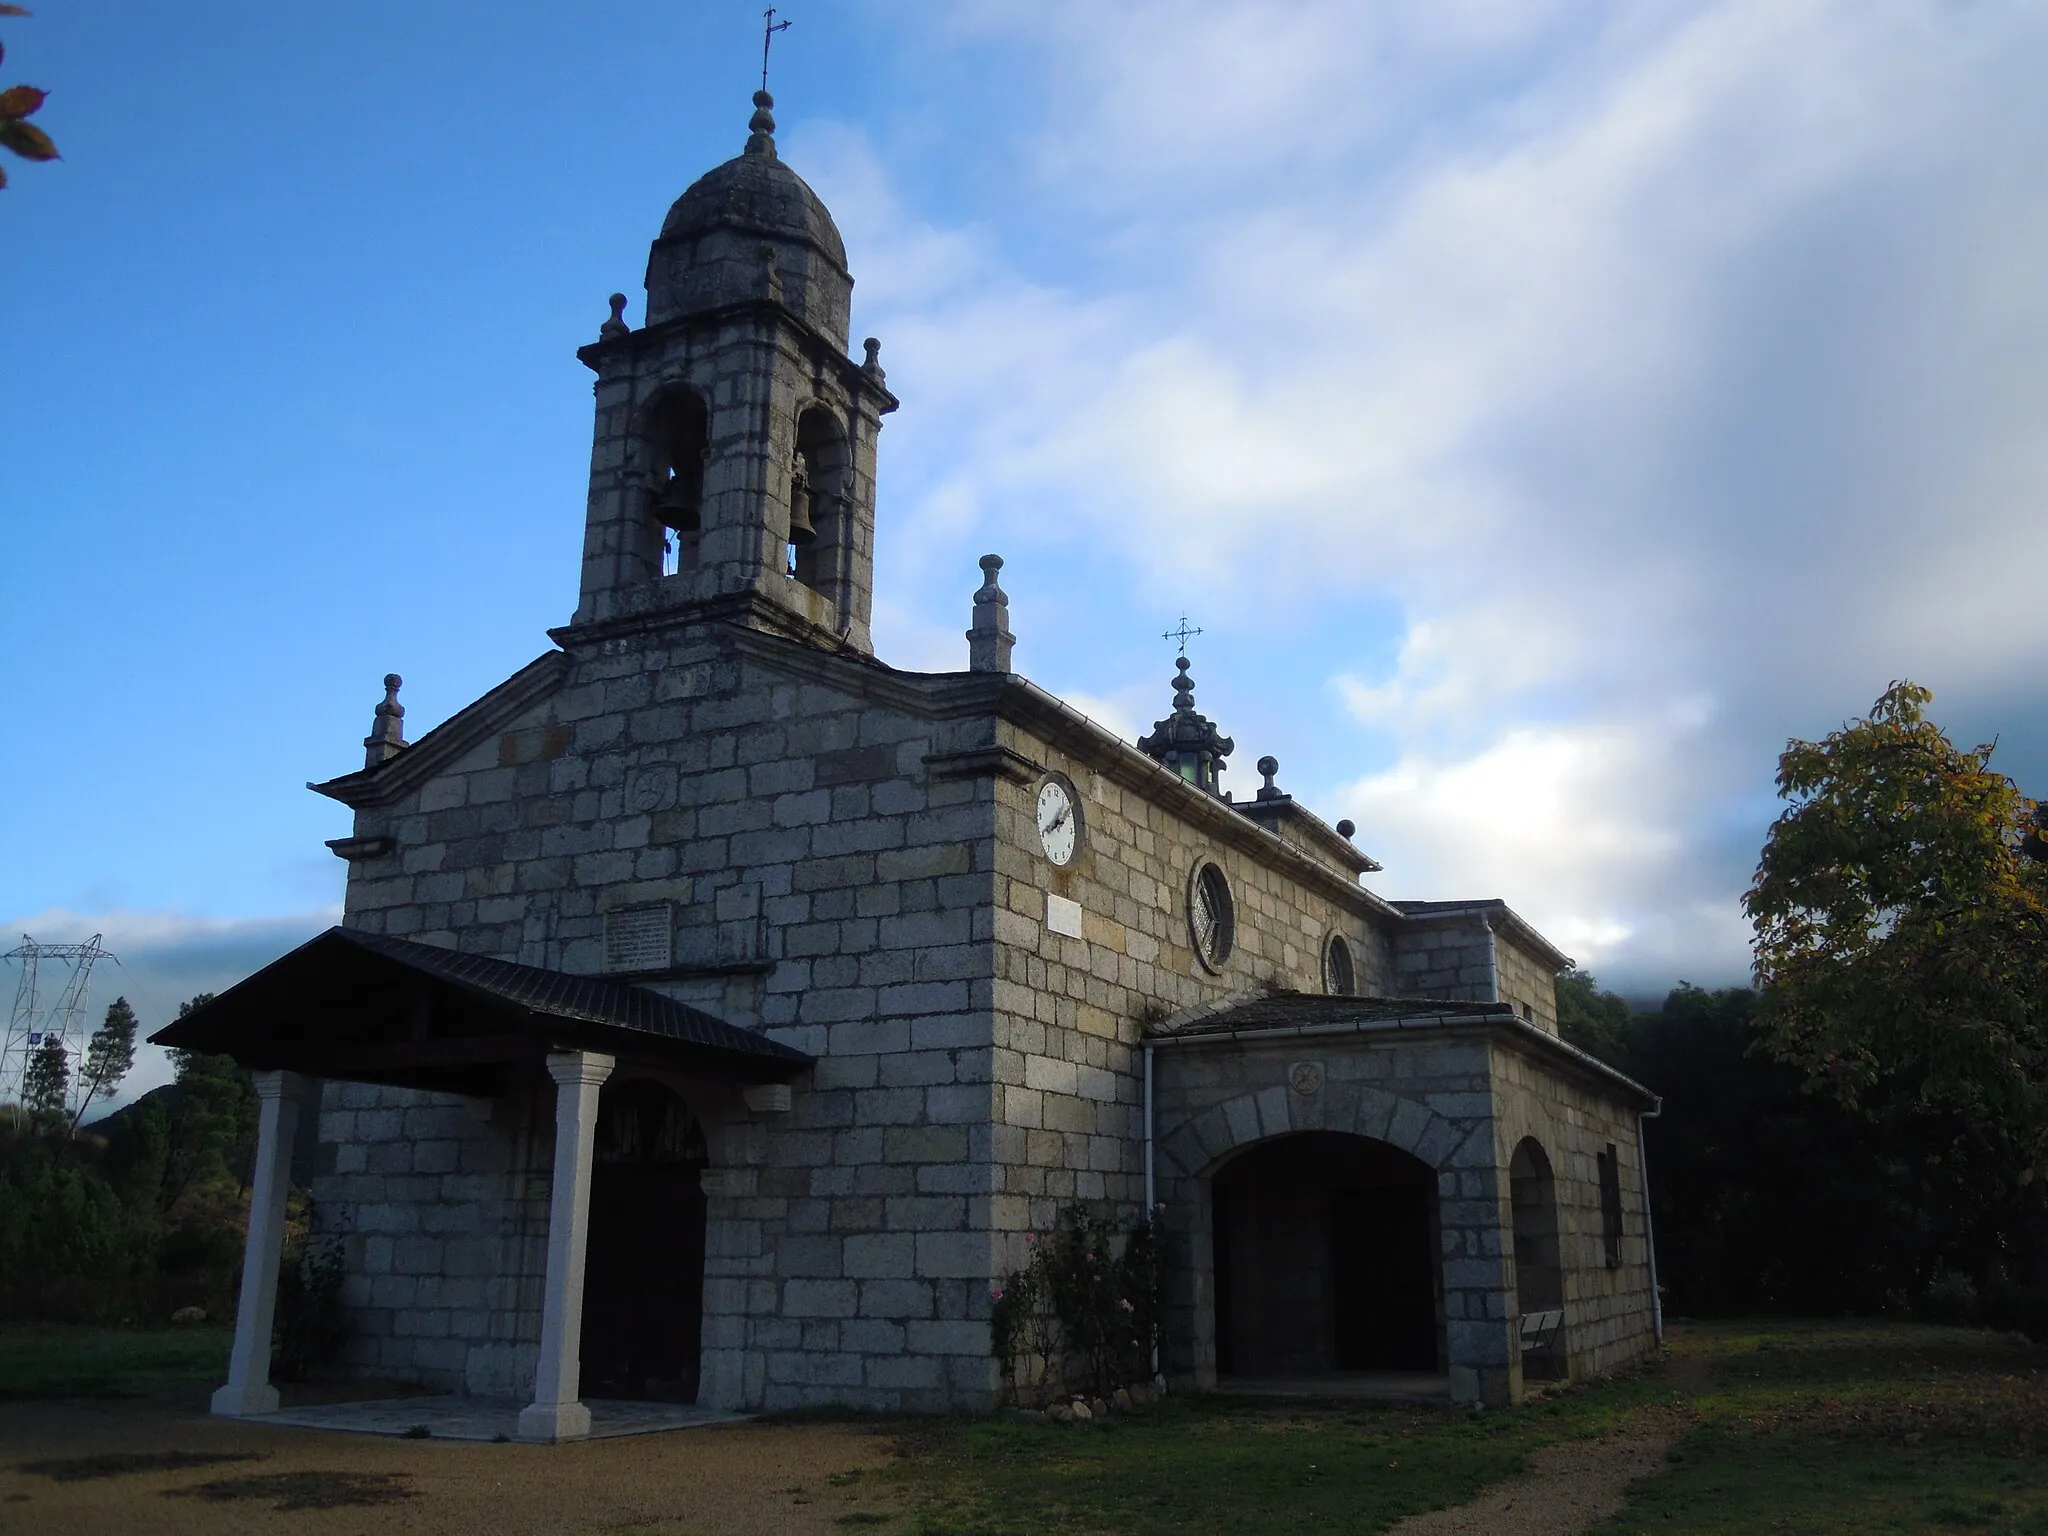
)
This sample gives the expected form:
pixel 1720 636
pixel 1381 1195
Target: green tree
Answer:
pixel 215 1121
pixel 109 1055
pixel 1596 1022
pixel 1902 926
pixel 47 1079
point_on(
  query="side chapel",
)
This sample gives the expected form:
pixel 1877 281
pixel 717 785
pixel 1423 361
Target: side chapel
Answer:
pixel 716 1008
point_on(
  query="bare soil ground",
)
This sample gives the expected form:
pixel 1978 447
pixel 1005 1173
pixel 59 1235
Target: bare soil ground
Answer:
pixel 1567 1487
pixel 155 1465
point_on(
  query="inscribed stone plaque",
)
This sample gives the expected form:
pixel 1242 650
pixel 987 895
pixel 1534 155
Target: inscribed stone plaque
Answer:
pixel 1062 915
pixel 639 938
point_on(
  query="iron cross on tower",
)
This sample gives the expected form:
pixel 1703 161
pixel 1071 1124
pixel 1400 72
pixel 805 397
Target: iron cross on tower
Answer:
pixel 769 27
pixel 1182 633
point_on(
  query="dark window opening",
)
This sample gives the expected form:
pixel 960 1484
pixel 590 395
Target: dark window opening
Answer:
pixel 678 439
pixel 1610 1204
pixel 819 479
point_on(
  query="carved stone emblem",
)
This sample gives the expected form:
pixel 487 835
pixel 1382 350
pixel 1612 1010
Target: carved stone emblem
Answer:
pixel 651 789
pixel 1306 1078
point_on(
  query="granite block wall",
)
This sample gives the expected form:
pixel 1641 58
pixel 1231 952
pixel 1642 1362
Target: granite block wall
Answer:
pixel 1608 1309
pixel 441 1203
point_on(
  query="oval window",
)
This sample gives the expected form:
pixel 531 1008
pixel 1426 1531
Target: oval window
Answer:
pixel 1340 978
pixel 1212 916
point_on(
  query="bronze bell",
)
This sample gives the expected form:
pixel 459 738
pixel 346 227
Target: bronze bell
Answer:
pixel 675 507
pixel 801 528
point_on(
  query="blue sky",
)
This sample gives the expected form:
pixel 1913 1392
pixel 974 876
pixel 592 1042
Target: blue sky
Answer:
pixel 1544 408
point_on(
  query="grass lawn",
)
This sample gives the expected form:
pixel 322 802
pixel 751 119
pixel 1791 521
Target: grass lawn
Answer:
pixel 1802 1428
pixel 1207 1463
pixel 65 1360
pixel 1856 1427
pixel 1794 1427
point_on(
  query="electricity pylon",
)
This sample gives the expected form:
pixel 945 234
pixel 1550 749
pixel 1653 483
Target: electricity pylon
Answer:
pixel 28 1026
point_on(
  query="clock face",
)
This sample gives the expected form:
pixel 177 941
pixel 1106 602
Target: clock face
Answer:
pixel 1058 824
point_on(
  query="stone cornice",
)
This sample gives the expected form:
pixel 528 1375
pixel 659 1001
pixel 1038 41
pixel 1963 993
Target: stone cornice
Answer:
pixel 447 742
pixel 597 355
pixel 1517 1034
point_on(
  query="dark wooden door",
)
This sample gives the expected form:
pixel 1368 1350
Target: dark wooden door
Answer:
pixel 643 1274
pixel 1385 1284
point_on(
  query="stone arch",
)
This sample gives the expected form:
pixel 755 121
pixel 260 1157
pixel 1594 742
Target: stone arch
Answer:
pixel 821 482
pixel 1215 1110
pixel 671 450
pixel 1200 1146
pixel 1539 1268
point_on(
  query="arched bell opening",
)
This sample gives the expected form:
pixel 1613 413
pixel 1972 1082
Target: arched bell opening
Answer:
pixel 819 529
pixel 675 448
pixel 643 1276
pixel 1539 1271
pixel 1326 1260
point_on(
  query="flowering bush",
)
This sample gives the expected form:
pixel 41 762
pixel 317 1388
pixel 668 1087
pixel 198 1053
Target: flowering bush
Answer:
pixel 1088 1300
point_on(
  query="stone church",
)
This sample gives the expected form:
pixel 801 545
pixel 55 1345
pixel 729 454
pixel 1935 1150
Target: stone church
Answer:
pixel 717 1008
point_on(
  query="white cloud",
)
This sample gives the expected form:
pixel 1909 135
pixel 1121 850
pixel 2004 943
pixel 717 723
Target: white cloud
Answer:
pixel 1675 371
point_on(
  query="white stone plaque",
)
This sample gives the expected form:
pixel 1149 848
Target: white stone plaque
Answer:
pixel 1062 915
pixel 639 938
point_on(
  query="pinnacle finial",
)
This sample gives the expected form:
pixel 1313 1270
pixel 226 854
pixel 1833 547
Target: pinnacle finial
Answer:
pixel 387 728
pixel 616 326
pixel 761 126
pixel 989 641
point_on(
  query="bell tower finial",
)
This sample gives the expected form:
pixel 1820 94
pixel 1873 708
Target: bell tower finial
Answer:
pixel 1187 741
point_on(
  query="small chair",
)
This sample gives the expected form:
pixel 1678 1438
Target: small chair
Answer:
pixel 1542 1334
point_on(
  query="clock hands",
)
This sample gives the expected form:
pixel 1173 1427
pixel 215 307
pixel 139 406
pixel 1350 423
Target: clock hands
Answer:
pixel 1047 828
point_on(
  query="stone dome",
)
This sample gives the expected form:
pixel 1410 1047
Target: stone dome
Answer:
pixel 756 193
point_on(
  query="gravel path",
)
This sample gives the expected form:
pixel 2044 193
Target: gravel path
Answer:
pixel 1567 1487
pixel 732 1480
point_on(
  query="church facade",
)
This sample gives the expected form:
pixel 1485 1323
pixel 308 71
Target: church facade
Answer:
pixel 717 1009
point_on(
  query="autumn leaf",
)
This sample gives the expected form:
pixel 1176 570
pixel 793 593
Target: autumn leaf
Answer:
pixel 13 10
pixel 26 140
pixel 21 101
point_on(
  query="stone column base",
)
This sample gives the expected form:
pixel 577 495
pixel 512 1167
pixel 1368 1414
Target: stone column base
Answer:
pixel 244 1400
pixel 549 1422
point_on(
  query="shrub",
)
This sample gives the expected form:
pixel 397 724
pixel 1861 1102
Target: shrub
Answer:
pixel 1087 1302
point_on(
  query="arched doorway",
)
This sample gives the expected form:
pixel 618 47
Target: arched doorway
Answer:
pixel 1326 1259
pixel 1539 1274
pixel 643 1278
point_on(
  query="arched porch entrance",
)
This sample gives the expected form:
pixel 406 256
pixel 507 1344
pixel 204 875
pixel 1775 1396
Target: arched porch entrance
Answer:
pixel 1326 1259
pixel 643 1289
pixel 1539 1270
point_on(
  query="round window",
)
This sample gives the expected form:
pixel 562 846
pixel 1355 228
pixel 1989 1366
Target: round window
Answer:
pixel 1340 979
pixel 1212 916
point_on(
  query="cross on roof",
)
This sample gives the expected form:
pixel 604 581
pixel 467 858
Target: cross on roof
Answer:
pixel 1182 633
pixel 769 27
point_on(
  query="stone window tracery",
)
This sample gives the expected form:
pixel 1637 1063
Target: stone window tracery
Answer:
pixel 1212 916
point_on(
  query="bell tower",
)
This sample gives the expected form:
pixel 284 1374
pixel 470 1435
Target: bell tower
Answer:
pixel 732 472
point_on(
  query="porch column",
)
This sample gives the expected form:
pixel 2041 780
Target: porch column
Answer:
pixel 248 1390
pixel 556 1412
